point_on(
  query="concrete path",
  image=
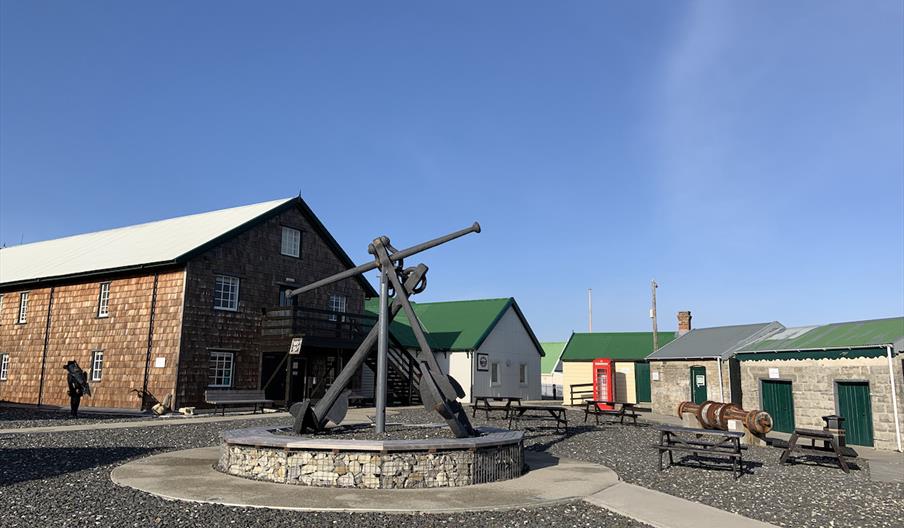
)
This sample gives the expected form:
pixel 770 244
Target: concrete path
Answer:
pixel 189 475
pixel 662 510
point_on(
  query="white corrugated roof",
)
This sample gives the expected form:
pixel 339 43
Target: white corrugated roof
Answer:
pixel 160 241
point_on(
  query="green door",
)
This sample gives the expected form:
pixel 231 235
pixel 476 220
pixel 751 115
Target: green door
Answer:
pixel 698 384
pixel 778 402
pixel 642 381
pixel 854 406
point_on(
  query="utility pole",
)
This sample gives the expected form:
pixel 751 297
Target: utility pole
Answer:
pixel 653 287
pixel 590 310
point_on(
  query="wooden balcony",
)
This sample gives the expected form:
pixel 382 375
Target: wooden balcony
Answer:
pixel 342 329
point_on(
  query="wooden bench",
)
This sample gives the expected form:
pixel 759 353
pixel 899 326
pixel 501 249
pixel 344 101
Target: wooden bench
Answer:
pixel 829 449
pixel 539 412
pixel 686 439
pixel 484 403
pixel 223 398
pixel 620 410
pixel 579 392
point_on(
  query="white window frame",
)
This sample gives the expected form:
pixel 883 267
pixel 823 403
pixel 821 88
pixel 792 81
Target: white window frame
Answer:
pixel 1 308
pixel 103 300
pixel 97 365
pixel 495 373
pixel 217 370
pixel 232 301
pixel 4 367
pixel 522 374
pixel 338 303
pixel 290 244
pixel 23 308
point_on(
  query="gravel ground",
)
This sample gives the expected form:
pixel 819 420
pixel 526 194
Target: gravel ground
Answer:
pixel 19 418
pixel 791 495
pixel 63 480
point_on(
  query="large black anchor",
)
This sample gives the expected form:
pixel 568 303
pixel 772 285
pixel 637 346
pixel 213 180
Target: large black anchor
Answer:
pixel 439 391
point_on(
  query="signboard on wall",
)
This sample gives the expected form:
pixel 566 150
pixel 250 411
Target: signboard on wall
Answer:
pixel 295 347
pixel 773 373
pixel 483 362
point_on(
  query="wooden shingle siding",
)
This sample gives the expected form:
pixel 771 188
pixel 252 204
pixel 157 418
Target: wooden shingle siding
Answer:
pixel 76 331
pixel 255 257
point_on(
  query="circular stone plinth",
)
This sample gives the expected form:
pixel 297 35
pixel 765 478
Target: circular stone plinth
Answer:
pixel 260 454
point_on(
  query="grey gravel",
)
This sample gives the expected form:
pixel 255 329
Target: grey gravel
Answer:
pixel 20 418
pixel 63 479
pixel 789 495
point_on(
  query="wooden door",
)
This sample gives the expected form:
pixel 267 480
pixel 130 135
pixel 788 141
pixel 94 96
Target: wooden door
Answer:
pixel 854 405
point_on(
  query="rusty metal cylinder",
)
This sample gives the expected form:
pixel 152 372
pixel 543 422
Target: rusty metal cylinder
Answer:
pixel 715 415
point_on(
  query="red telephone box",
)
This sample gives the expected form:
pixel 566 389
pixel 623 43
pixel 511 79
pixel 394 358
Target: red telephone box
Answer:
pixel 604 382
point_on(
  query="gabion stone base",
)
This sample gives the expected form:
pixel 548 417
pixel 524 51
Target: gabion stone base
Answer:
pixel 432 463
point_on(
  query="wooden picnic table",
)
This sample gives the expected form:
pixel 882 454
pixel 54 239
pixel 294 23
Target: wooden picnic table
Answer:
pixel 539 412
pixel 619 410
pixel 484 403
pixel 687 439
pixel 829 449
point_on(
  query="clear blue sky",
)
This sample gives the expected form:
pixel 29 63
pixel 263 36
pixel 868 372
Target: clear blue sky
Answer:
pixel 748 155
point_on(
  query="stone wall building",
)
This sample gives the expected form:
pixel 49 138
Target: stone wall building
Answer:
pixel 854 370
pixel 176 307
pixel 697 366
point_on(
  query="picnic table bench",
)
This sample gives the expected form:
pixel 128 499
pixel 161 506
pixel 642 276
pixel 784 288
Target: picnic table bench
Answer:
pixel 620 410
pixel 687 439
pixel 228 397
pixel 484 403
pixel 539 412
pixel 829 449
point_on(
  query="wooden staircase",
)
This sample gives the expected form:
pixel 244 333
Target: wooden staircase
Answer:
pixel 403 377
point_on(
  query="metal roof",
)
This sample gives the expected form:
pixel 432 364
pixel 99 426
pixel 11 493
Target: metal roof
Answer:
pixel 454 326
pixel 855 334
pixel 552 351
pixel 719 341
pixel 124 247
pixel 159 243
pixel 627 346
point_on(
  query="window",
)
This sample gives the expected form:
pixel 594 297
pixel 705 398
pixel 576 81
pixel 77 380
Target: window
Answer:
pixel 97 365
pixel 23 307
pixel 226 293
pixel 522 373
pixel 494 373
pixel 337 304
pixel 103 300
pixel 1 308
pixel 4 366
pixel 291 242
pixel 284 299
pixel 220 369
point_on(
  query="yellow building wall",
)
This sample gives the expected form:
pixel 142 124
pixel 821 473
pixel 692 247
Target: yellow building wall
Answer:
pixel 575 373
pixel 625 384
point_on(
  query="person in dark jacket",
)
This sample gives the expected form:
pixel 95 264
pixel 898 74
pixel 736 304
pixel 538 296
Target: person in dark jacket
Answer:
pixel 77 380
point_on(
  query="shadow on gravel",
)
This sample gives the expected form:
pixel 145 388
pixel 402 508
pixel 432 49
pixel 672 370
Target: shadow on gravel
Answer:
pixel 573 431
pixel 24 464
pixel 715 463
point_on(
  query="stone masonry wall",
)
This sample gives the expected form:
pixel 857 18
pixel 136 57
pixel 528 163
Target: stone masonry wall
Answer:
pixel 813 390
pixel 350 469
pixel 674 384
pixel 76 332
pixel 254 257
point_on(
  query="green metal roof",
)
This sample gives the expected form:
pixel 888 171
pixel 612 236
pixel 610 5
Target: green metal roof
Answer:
pixel 857 334
pixel 454 325
pixel 552 351
pixel 627 346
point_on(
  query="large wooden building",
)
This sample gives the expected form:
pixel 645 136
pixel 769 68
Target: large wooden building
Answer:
pixel 179 306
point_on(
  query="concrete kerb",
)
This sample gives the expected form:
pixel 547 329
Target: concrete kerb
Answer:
pixel 189 476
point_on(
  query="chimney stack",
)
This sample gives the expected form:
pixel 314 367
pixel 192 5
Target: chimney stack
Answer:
pixel 684 323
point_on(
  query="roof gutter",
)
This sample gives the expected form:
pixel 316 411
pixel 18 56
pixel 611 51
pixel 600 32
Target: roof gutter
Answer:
pixel 894 397
pixel 92 273
pixel 824 349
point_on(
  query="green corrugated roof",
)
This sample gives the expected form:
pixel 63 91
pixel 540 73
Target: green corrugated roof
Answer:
pixel 837 335
pixel 628 346
pixel 552 351
pixel 453 325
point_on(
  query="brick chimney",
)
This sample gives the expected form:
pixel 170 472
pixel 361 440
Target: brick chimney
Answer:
pixel 684 323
